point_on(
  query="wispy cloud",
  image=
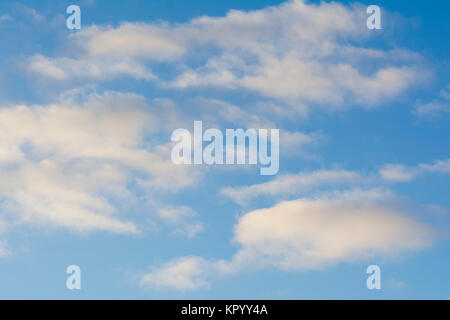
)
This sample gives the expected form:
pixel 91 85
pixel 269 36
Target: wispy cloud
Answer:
pixel 187 273
pixel 437 108
pixel 5 17
pixel 401 173
pixel 182 218
pixel 291 184
pixel 100 70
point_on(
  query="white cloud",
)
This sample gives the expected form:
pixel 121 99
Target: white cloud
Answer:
pixel 305 234
pixel 31 12
pixel 181 219
pixel 5 17
pixel 296 53
pixel 445 93
pixel 62 164
pixel 187 273
pixel 176 214
pixel 436 108
pixel 432 110
pixel 439 166
pixel 131 40
pixel 295 143
pixel 4 250
pixel 312 234
pixel 397 172
pixel 220 114
pixel 215 113
pixel 396 284
pixel 295 184
pixel 401 173
pixel 105 53
pixel 190 230
pixel 96 69
pixel 292 184
pixel 285 52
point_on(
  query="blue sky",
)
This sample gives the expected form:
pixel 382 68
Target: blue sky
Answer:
pixel 86 118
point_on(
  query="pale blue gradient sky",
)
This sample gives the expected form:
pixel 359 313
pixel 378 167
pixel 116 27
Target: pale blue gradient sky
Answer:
pixel 344 128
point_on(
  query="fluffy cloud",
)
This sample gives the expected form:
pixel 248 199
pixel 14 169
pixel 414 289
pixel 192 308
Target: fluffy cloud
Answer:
pixel 305 234
pixel 292 80
pixel 312 234
pixel 61 164
pixel 296 53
